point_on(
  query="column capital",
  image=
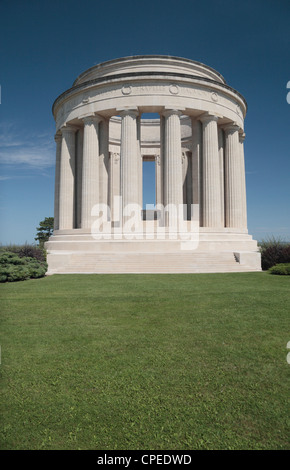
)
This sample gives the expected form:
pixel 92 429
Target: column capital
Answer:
pixel 207 117
pixel 171 112
pixel 242 136
pixel 68 129
pixel 231 128
pixel 57 137
pixel 91 118
pixel 134 112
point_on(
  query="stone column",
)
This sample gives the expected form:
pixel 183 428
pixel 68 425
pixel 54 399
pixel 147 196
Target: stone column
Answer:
pixel 66 182
pixel 79 170
pixel 243 181
pixel 221 169
pixel 129 158
pixel 197 165
pixel 114 186
pixel 57 139
pixel 233 206
pixel 173 193
pixel 104 171
pixel 211 196
pixel 90 173
pixel 139 162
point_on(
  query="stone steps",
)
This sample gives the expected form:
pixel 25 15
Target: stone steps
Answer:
pixel 179 262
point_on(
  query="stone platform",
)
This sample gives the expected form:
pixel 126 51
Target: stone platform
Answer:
pixel 211 252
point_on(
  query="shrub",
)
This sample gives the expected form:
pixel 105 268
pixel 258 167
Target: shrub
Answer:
pixel 36 269
pixel 27 250
pixel 10 273
pixel 282 269
pixel 274 251
pixel 15 268
pixel 32 251
pixel 10 258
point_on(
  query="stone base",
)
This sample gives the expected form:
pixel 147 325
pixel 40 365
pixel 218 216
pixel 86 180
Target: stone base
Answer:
pixel 74 251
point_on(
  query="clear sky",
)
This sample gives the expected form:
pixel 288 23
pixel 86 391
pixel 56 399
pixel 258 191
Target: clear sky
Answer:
pixel 46 44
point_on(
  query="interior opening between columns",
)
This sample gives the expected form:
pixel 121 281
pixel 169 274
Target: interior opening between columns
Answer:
pixel 149 197
pixel 148 187
pixel 187 184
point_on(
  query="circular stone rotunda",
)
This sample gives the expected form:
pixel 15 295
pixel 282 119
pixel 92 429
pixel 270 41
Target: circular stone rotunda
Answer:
pixel 194 134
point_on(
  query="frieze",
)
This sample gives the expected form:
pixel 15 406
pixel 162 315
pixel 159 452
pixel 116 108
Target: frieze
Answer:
pixel 126 90
pixel 101 94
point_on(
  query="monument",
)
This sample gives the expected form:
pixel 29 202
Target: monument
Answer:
pixel 194 134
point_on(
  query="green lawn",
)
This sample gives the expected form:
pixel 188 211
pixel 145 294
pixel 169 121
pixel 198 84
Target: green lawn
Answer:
pixel 145 362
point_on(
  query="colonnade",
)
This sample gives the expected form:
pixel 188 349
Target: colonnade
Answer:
pixel 87 173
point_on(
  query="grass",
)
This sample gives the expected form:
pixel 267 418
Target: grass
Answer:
pixel 145 362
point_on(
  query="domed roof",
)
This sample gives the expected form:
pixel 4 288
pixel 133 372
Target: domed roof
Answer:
pixel 149 65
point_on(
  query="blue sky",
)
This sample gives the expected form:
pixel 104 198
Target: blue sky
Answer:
pixel 45 45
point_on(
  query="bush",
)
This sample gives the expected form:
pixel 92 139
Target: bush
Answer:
pixel 10 258
pixel 282 269
pixel 14 268
pixel 26 250
pixel 13 273
pixel 36 269
pixel 32 251
pixel 274 251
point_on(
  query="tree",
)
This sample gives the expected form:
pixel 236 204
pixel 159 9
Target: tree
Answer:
pixel 44 230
